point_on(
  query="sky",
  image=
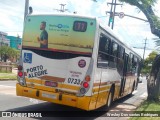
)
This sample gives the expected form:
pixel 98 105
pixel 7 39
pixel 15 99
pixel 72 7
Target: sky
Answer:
pixel 131 31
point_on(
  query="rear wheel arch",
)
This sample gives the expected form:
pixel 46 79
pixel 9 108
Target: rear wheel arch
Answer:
pixel 133 86
pixel 110 96
pixel 113 88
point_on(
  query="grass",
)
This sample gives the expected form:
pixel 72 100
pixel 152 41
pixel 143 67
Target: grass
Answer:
pixel 148 107
pixel 4 71
pixel 8 76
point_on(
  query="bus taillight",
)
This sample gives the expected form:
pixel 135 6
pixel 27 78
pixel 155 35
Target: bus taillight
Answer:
pixel 85 84
pixel 87 78
pixel 20 74
pixel 20 67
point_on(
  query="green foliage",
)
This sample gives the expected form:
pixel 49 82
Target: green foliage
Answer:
pixel 9 76
pixel 148 2
pixel 156 20
pixel 144 2
pixel 7 52
pixel 148 61
pixel 147 107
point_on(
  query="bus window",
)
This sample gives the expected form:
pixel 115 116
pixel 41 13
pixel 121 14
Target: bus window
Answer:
pixel 120 60
pixel 104 48
pixel 114 49
pixel 134 64
pixel 135 61
pixel 104 44
pixel 120 52
pixel 125 69
pixel 129 69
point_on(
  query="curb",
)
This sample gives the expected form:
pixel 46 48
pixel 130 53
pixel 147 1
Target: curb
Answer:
pixel 8 79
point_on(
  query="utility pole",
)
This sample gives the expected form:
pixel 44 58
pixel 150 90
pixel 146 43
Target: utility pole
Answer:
pixel 26 8
pixel 62 8
pixel 144 48
pixel 112 12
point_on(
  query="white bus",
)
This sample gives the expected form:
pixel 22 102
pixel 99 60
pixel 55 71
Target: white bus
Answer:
pixel 73 60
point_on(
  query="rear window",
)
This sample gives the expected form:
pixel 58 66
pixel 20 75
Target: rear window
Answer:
pixel 57 54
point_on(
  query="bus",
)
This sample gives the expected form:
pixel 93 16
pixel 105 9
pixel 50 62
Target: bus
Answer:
pixel 73 60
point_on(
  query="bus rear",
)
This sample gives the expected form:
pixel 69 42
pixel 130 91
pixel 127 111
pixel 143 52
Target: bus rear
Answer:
pixel 56 59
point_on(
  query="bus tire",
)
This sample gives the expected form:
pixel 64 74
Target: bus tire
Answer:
pixel 133 88
pixel 110 98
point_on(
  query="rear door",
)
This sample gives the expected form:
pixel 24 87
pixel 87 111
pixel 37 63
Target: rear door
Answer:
pixel 123 81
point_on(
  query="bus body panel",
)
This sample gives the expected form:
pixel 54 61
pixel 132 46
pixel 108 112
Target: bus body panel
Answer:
pixel 69 100
pixel 70 39
pixel 66 73
pixel 57 73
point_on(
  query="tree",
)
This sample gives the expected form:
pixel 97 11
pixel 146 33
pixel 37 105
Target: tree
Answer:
pixel 15 54
pixel 148 61
pixel 153 84
pixel 146 6
pixel 7 52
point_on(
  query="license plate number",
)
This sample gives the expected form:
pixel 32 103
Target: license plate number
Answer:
pixel 49 95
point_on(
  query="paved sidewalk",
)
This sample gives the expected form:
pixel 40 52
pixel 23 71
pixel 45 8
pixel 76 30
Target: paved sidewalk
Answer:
pixel 128 108
pixel 121 111
pixel 123 108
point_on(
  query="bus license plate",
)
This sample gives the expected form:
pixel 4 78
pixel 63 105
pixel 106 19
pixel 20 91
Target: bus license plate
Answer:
pixel 49 95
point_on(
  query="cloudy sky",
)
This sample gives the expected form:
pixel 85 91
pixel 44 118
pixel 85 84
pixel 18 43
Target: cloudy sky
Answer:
pixel 132 31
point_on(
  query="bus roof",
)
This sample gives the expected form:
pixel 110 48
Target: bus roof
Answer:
pixel 64 14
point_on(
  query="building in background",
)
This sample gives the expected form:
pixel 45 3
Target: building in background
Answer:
pixel 3 39
pixel 15 42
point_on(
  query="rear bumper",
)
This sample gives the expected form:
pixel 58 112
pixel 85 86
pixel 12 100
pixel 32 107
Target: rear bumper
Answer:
pixel 64 99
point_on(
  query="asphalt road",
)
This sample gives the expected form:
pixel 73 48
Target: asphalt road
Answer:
pixel 10 102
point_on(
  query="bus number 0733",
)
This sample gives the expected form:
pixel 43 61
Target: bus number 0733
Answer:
pixel 74 81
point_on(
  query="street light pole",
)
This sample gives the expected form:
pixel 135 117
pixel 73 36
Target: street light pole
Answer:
pixel 112 12
pixel 26 8
pixel 144 48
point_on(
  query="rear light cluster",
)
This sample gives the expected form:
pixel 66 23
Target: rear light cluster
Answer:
pixel 21 75
pixel 85 86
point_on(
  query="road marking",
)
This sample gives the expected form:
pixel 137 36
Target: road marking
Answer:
pixel 7 86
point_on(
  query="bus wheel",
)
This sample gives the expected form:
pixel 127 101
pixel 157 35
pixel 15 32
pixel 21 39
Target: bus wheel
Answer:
pixel 133 88
pixel 110 98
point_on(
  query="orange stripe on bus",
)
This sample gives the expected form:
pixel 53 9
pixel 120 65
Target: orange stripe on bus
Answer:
pixel 105 83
